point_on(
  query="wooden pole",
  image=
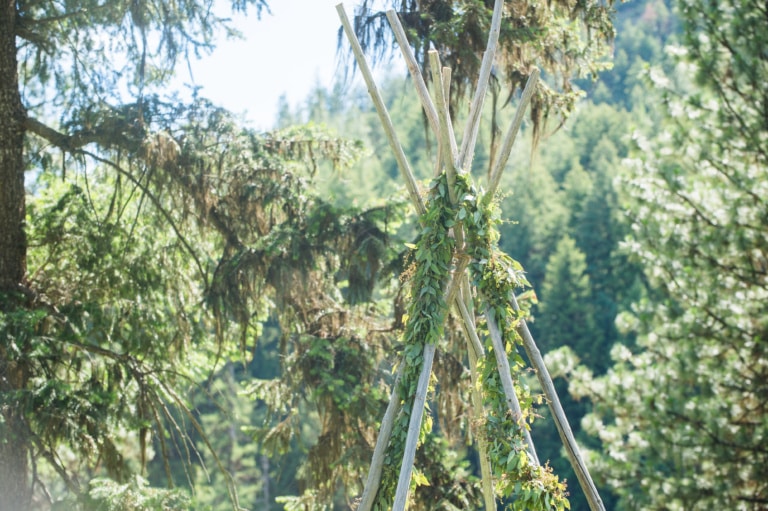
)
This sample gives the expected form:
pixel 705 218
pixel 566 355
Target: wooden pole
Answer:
pixel 469 324
pixel 374 473
pixel 558 415
pixel 474 351
pixel 385 432
pixel 441 77
pixel 381 109
pixel 469 139
pixel 505 374
pixel 413 69
pixel 509 139
pixel 414 426
pixel 449 123
pixel 450 293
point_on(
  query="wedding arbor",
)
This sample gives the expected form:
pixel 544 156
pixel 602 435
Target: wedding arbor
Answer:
pixel 457 264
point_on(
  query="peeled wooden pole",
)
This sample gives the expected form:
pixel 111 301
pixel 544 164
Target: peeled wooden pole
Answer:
pixel 509 139
pixel 558 415
pixel 471 331
pixel 441 78
pixel 413 69
pixel 414 425
pixel 374 473
pixel 377 461
pixel 489 497
pixel 505 374
pixel 446 74
pixel 469 139
pixel 417 412
pixel 474 351
pixel 381 109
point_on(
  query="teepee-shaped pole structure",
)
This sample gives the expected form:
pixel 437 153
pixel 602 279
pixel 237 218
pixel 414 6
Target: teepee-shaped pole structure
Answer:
pixel 458 208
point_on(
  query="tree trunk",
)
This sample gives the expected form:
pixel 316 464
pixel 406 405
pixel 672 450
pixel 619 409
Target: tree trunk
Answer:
pixel 13 246
pixel 15 489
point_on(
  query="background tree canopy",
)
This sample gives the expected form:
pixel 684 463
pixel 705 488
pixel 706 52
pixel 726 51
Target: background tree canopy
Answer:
pixel 678 415
pixel 194 315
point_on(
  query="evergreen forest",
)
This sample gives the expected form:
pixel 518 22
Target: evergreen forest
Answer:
pixel 197 315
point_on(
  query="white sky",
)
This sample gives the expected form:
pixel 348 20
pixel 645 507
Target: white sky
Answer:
pixel 287 52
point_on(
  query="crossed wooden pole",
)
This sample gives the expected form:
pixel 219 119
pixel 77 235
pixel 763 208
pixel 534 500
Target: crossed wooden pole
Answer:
pixel 458 292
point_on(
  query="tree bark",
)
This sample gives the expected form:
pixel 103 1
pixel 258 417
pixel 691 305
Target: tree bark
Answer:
pixel 13 246
pixel 15 489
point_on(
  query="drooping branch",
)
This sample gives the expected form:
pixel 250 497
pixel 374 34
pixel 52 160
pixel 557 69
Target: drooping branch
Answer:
pixel 78 140
pixel 156 203
pixel 190 416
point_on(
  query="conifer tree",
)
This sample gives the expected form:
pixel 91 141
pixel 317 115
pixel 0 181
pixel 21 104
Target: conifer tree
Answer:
pixel 566 318
pixel 680 418
pixel 158 235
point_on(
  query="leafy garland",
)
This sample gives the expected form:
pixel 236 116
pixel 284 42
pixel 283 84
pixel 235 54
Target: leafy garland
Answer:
pixel 426 316
pixel 495 275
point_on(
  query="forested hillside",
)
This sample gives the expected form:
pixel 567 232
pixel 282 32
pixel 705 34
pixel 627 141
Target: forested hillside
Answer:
pixel 195 315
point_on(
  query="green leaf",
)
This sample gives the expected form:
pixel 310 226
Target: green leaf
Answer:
pixel 419 478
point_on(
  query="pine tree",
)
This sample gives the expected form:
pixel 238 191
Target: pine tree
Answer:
pixel 681 419
pixel 566 317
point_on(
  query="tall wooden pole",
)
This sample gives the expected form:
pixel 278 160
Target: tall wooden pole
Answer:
pixel 558 415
